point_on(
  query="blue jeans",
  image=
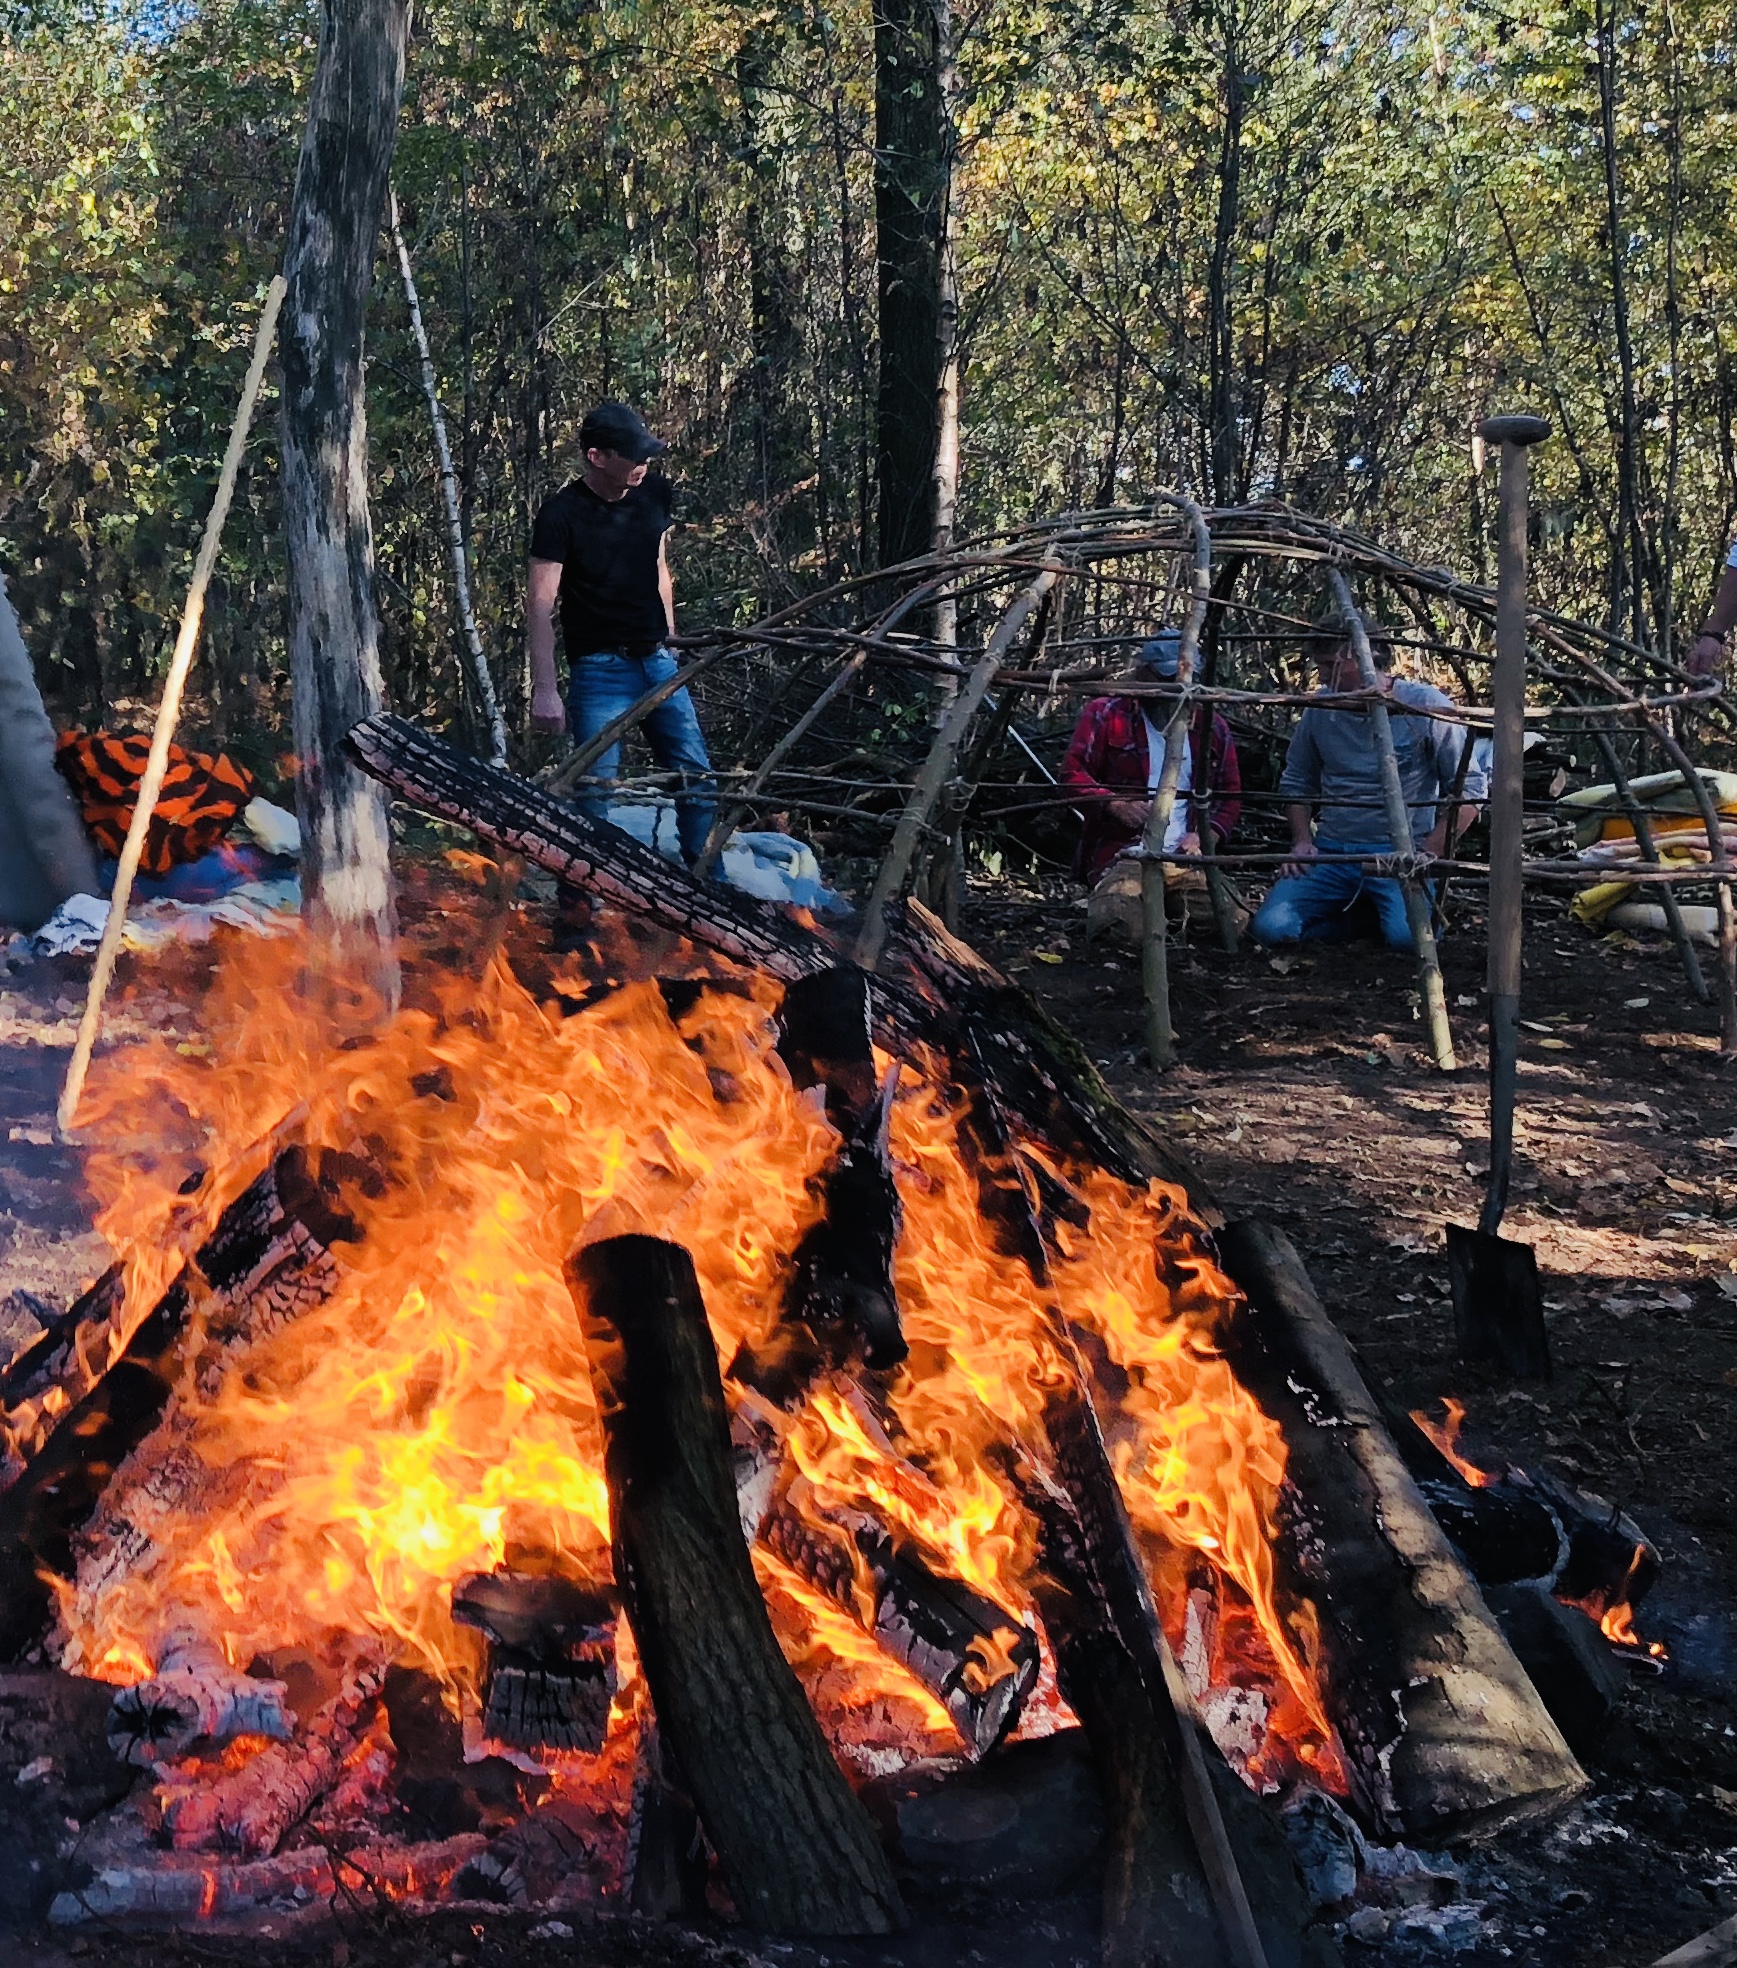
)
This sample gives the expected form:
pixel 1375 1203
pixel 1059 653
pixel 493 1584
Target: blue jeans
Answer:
pixel 604 685
pixel 1321 905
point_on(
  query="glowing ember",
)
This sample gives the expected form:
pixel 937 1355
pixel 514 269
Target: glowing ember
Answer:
pixel 434 1417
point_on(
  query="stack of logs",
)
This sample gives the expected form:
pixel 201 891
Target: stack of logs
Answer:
pixel 1445 1737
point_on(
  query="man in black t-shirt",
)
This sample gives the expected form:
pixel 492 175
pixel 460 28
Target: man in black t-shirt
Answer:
pixel 598 549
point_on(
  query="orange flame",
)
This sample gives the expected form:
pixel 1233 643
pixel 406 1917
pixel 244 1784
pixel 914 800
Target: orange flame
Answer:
pixel 435 1416
pixel 1445 1434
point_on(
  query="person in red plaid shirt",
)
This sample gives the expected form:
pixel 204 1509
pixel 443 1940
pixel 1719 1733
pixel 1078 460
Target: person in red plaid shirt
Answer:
pixel 1114 760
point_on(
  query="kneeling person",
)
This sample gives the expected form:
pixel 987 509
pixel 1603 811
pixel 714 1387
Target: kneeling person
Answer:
pixel 1332 766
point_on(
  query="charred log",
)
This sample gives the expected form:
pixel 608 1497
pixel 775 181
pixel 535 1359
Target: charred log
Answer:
pixel 197 1893
pixel 797 1849
pixel 194 1694
pixel 550 1675
pixel 1046 1083
pixel 249 1812
pixel 842 1271
pixel 1444 1734
pixel 977 1660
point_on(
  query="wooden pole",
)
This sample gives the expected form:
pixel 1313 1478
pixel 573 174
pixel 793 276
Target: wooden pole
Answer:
pixel 938 767
pixel 1441 1042
pixel 798 1850
pixel 1507 799
pixel 479 667
pixel 168 712
pixel 1154 924
pixel 729 819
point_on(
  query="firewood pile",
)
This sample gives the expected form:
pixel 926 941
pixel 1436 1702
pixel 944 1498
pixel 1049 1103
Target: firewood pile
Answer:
pixel 593 1453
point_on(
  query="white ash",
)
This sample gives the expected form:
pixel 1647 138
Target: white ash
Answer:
pixel 194 1693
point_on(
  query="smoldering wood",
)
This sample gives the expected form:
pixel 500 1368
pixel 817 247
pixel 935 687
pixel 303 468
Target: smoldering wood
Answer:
pixel 197 1893
pixel 193 1694
pixel 1445 1737
pixel 841 1277
pixel 1507 1529
pixel 797 1849
pixel 550 1672
pixel 249 1811
pixel 977 1659
pixel 334 629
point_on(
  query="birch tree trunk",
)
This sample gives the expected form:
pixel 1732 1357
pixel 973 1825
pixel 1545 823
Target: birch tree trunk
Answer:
pixel 334 627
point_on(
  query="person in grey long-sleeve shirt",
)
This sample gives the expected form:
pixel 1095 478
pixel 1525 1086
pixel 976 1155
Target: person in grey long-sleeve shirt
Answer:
pixel 1332 779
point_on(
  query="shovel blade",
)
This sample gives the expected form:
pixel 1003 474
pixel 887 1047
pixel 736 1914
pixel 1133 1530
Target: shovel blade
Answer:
pixel 1498 1305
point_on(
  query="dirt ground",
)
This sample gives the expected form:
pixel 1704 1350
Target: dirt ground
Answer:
pixel 1304 1094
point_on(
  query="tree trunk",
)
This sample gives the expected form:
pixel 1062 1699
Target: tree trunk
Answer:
pixel 912 194
pixel 334 628
pixel 798 1851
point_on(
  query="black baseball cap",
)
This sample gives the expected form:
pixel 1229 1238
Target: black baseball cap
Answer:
pixel 618 427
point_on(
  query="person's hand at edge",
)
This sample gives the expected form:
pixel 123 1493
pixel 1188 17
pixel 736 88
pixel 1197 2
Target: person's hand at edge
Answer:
pixel 548 713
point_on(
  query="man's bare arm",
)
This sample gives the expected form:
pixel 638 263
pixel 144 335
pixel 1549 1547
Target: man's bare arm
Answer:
pixel 1709 646
pixel 542 591
pixel 1301 815
pixel 666 585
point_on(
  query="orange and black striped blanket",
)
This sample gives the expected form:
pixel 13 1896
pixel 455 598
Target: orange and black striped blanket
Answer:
pixel 200 798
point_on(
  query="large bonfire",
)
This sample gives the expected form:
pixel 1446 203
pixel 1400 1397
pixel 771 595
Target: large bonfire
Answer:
pixel 434 1418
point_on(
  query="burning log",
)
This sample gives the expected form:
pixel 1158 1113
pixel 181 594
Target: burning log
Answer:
pixel 194 1693
pixel 976 1659
pixel 1445 1736
pixel 268 1261
pixel 250 1811
pixel 1050 1089
pixel 797 1849
pixel 842 1275
pixel 551 1665
pixel 1198 1872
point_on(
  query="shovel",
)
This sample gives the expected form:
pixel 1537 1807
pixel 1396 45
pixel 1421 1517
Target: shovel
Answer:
pixel 1498 1307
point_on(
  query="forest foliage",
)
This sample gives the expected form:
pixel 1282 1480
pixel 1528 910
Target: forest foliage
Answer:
pixel 1251 248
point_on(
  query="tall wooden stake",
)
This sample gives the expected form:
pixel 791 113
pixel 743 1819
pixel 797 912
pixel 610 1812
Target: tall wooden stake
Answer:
pixel 1507 798
pixel 1154 925
pixel 168 712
